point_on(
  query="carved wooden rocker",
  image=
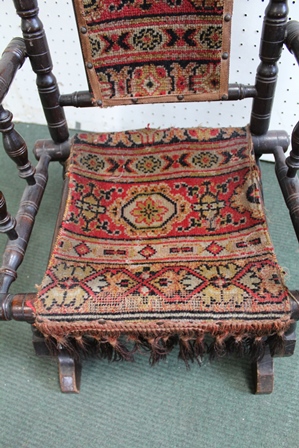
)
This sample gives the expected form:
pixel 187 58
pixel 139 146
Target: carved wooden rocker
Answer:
pixel 162 238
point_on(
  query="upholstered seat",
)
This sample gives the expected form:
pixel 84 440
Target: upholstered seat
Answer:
pixel 163 238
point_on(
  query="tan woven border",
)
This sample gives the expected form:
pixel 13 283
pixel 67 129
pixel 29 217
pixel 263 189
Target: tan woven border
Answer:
pixel 94 84
pixel 101 328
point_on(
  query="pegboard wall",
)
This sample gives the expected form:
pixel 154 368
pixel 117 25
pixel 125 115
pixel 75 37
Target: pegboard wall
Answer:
pixel 58 19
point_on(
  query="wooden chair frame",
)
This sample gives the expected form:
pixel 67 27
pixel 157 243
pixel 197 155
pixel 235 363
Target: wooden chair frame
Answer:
pixel 276 32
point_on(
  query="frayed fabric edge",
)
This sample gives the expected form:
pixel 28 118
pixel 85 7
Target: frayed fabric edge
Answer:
pixel 193 345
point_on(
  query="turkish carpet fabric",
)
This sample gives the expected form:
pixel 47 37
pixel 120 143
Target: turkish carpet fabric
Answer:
pixel 163 238
pixel 155 50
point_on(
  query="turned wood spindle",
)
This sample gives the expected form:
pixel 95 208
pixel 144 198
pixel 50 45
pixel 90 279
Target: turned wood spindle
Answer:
pixel 292 38
pixel 273 35
pixel 11 61
pixel 292 43
pixel 39 55
pixel 15 250
pixel 7 222
pixel 293 160
pixel 15 146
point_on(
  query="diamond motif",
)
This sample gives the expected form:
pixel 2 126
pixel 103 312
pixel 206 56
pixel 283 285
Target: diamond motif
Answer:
pixel 147 252
pixel 215 248
pixel 151 80
pixel 82 249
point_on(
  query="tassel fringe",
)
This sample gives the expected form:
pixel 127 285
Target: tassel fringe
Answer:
pixel 192 347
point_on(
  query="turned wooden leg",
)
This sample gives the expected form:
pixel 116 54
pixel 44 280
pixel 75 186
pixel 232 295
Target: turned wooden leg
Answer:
pixel 264 374
pixel 69 372
pixel 7 222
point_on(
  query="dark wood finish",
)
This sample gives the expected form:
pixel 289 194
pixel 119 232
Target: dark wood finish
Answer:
pixel 289 187
pixel 69 368
pixel 273 35
pixel 39 55
pixel 295 305
pixel 7 222
pixel 17 307
pixel 292 38
pixel 289 343
pixel 84 98
pixel 292 43
pixel 240 91
pixel 263 371
pixel 15 250
pixel 16 147
pixel 39 344
pixel 69 372
pixel 57 152
pixel 77 99
pixel 12 59
pixel 293 159
pixel 267 144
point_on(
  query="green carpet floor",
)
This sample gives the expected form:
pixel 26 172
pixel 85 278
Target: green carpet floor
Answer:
pixel 130 405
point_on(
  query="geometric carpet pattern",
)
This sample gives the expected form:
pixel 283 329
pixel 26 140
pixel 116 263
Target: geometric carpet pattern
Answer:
pixel 164 233
pixel 148 50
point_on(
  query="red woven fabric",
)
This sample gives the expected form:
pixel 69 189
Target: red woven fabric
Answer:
pixel 151 49
pixel 164 232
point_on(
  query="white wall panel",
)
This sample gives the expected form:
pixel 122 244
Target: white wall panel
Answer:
pixel 58 19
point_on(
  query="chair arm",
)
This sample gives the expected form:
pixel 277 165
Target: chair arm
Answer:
pixel 12 59
pixel 17 307
pixel 292 38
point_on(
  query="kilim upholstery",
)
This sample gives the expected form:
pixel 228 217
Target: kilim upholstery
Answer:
pixel 164 236
pixel 161 238
pixel 153 51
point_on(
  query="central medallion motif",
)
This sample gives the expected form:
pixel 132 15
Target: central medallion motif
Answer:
pixel 147 211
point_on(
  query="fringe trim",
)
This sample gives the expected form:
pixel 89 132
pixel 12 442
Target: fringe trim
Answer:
pixel 192 346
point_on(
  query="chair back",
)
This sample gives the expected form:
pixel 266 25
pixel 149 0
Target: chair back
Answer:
pixel 155 50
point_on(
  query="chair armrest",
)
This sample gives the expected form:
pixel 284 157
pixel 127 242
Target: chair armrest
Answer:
pixel 17 307
pixel 12 59
pixel 292 38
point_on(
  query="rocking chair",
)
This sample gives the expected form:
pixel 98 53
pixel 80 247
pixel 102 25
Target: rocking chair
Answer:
pixel 161 239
